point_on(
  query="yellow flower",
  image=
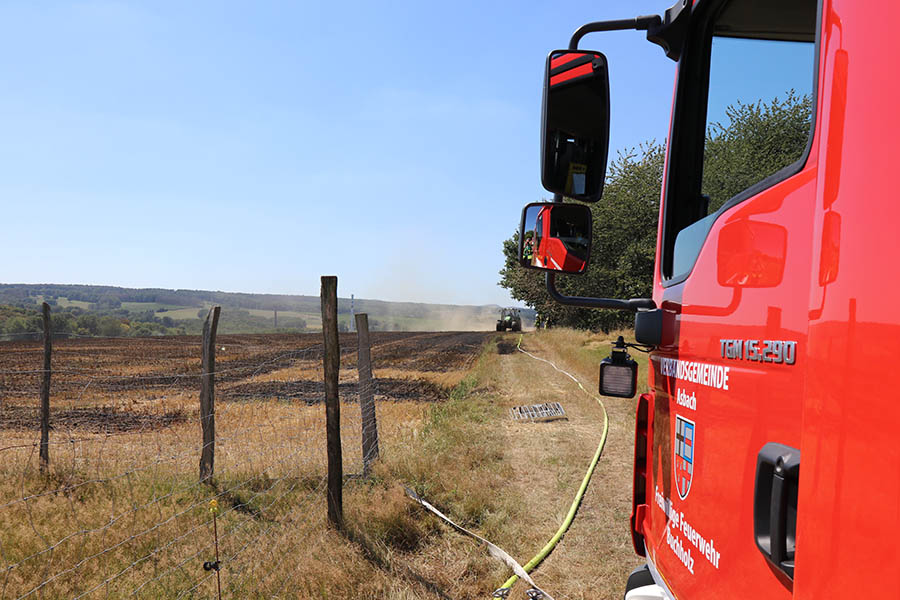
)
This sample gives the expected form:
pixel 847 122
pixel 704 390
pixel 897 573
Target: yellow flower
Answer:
pixel 214 506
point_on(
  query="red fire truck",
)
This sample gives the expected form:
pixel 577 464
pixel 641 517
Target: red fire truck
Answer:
pixel 556 247
pixel 767 455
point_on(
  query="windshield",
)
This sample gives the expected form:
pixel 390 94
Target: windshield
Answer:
pixel 570 234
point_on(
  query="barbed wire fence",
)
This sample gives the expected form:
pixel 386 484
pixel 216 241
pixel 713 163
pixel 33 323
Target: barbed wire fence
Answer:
pixel 117 500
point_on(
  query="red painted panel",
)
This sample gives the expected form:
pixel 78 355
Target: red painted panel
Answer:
pixel 811 260
pixel 849 497
pixel 579 71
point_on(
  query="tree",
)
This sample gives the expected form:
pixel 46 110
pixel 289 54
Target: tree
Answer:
pixel 624 245
pixel 61 323
pixel 141 329
pixel 88 324
pixel 757 141
pixel 110 327
pixel 17 325
pixel 622 250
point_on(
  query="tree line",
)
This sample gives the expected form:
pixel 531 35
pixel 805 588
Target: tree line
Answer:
pixel 18 321
pixel 111 298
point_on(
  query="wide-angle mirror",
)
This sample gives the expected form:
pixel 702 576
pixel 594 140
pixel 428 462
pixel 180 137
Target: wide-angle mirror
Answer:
pixel 555 237
pixel 575 124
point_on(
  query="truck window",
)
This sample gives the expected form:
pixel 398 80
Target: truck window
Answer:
pixel 758 59
pixel 565 230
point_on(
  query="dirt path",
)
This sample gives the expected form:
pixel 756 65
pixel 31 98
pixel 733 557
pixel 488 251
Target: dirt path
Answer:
pixel 595 557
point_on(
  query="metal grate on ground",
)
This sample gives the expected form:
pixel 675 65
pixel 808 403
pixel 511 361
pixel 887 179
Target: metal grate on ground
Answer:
pixel 549 411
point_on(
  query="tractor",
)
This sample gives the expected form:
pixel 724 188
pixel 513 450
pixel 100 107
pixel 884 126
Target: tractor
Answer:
pixel 510 319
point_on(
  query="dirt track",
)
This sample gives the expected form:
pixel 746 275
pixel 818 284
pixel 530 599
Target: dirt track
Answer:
pixel 93 378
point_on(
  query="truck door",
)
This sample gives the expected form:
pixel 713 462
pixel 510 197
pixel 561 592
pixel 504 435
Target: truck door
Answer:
pixel 540 249
pixel 732 278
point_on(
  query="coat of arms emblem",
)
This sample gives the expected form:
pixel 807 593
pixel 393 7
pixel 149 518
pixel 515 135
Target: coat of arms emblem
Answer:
pixel 685 450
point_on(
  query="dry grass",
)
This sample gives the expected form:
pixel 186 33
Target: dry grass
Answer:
pixel 512 483
pixel 304 369
pixel 596 555
pixel 131 505
pixel 446 379
pixel 120 511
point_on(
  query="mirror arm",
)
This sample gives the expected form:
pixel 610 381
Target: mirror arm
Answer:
pixel 633 304
pixel 639 23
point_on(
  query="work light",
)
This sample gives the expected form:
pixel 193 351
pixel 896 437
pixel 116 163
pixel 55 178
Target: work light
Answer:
pixel 618 372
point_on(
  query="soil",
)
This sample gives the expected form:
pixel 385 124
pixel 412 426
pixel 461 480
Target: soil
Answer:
pixel 313 392
pixel 505 347
pixel 89 419
pixel 94 377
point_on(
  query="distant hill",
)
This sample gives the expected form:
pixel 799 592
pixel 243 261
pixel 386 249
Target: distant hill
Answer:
pixel 96 310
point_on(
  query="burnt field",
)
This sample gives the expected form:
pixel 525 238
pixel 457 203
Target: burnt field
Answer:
pixel 119 508
pixel 104 385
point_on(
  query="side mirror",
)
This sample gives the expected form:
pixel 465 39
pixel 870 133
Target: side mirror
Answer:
pixel 575 124
pixel 555 237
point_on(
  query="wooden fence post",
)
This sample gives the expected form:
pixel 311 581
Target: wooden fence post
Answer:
pixel 332 364
pixel 208 393
pixel 45 391
pixel 366 394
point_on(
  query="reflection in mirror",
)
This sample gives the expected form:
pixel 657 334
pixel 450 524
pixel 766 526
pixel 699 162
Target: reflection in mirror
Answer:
pixel 751 254
pixel 830 256
pixel 575 132
pixel 555 237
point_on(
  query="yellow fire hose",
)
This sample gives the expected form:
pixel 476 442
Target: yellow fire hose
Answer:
pixel 503 591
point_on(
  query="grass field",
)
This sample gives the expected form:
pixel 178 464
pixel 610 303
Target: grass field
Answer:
pixel 65 303
pixel 514 482
pixel 313 320
pixel 145 306
pixel 509 482
pixel 120 512
pixel 189 312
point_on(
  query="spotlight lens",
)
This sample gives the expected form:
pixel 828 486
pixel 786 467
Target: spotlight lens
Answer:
pixel 617 380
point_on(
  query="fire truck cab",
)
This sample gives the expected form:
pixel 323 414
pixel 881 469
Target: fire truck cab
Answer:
pixel 558 244
pixel 767 458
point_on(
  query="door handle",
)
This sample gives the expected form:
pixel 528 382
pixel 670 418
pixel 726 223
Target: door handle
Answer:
pixel 775 505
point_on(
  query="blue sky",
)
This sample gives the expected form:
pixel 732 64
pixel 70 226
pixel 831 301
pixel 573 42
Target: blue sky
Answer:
pixel 753 70
pixel 256 146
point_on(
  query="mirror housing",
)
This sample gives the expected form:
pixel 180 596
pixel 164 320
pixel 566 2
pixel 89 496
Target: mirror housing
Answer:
pixel 555 237
pixel 575 124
